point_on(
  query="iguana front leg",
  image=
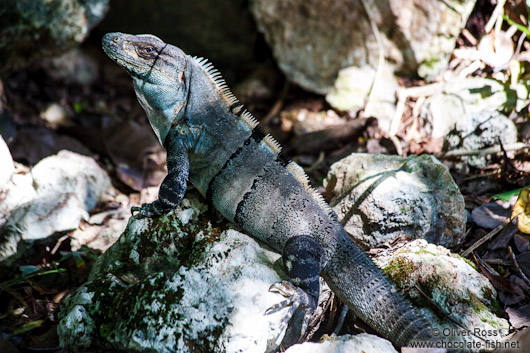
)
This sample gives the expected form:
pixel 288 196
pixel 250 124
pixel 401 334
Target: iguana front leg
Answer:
pixel 302 257
pixel 173 187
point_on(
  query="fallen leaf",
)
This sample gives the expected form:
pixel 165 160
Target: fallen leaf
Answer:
pixel 492 214
pixel 524 262
pixel 521 209
pixel 28 326
pixel 519 317
pixel 505 235
pixel 522 243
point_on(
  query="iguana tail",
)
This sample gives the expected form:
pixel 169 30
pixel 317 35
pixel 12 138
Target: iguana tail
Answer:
pixel 372 297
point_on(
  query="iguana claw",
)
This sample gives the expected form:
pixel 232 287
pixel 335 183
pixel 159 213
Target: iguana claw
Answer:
pixel 149 210
pixel 297 298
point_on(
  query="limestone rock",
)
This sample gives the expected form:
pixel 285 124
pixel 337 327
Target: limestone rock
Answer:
pixel 59 192
pixel 33 29
pixel 175 283
pixel 7 169
pixel 380 198
pixel 74 66
pixel 453 284
pixel 363 87
pixel 312 40
pixel 463 96
pixel 478 130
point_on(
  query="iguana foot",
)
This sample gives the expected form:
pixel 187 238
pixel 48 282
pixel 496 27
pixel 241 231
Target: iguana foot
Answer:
pixel 149 210
pixel 297 299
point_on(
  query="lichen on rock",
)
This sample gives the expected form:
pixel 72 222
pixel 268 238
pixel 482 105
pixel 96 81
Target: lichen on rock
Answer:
pixel 381 198
pixel 421 269
pixel 175 282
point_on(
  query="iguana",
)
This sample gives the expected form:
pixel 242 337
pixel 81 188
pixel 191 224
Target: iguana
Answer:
pixel 216 144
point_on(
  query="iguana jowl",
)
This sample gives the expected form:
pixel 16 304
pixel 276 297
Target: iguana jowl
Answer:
pixel 215 143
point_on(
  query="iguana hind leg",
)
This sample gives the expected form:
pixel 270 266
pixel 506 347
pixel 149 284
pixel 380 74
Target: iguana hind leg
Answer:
pixel 302 257
pixel 173 187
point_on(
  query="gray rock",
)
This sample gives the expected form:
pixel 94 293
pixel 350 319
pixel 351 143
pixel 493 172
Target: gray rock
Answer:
pixel 381 198
pixel 362 342
pixel 351 88
pixel 60 191
pixel 478 130
pixel 175 283
pixel 451 282
pixel 74 66
pixel 101 229
pixel 361 87
pixel 463 96
pixel 32 29
pixel 6 162
pixel 311 48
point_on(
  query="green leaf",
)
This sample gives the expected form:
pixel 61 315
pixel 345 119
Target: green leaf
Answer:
pixel 506 196
pixel 28 326
pixel 520 27
pixel 27 269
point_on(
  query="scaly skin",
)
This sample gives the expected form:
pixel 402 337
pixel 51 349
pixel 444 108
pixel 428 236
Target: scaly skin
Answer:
pixel 213 142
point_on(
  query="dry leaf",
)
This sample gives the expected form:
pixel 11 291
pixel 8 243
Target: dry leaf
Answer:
pixel 521 209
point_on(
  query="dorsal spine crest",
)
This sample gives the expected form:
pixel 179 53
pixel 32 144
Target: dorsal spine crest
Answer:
pixel 223 89
pixel 239 110
pixel 273 144
pixel 249 119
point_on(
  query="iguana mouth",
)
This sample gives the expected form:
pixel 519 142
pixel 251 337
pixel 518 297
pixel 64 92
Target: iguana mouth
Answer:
pixel 113 46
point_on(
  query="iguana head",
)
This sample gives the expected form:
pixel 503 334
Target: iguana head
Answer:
pixel 158 71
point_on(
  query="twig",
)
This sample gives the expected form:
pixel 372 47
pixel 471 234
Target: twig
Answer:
pixel 516 266
pixel 468 70
pixel 495 261
pixel 487 237
pixel 505 154
pixel 319 160
pixel 275 109
pixel 482 152
pixel 469 37
pixel 485 266
pixel 485 175
pixel 411 92
pixel 497 12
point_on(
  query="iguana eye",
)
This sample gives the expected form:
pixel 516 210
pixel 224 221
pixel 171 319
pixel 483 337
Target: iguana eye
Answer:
pixel 146 51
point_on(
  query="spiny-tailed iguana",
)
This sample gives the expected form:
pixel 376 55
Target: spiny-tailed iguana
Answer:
pixel 215 143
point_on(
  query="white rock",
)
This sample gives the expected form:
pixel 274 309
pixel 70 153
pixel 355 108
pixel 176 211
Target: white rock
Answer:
pixel 214 297
pixel 69 172
pixel 452 283
pixel 381 198
pixel 55 114
pixel 18 191
pixel 59 192
pixel 361 343
pixel 6 165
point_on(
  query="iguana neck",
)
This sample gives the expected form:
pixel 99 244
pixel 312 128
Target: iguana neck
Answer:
pixel 164 103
